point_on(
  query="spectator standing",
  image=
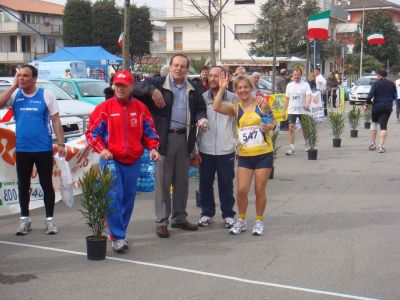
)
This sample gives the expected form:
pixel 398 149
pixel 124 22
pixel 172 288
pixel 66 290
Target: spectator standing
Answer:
pixel 33 109
pixel 282 81
pixel 321 86
pixel 397 83
pixel 255 77
pixel 312 82
pixel 177 109
pixel 202 82
pixel 331 86
pixel 118 130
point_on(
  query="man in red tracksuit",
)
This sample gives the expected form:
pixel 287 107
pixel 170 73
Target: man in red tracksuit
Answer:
pixel 118 130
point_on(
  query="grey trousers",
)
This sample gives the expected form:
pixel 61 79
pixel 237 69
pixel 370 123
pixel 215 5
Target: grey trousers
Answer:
pixel 172 168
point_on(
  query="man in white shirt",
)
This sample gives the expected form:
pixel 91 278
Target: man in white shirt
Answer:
pixel 298 100
pixel 321 86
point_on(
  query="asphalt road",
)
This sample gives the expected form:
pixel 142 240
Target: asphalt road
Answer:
pixel 332 232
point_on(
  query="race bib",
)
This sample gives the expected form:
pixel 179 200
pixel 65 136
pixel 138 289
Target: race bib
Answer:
pixel 250 136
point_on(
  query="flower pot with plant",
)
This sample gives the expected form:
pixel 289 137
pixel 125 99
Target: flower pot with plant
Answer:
pixel 275 148
pixel 310 127
pixel 367 116
pixel 95 186
pixel 336 120
pixel 354 116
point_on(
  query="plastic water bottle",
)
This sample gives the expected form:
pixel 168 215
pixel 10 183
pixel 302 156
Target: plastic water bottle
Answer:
pixel 267 118
pixel 110 164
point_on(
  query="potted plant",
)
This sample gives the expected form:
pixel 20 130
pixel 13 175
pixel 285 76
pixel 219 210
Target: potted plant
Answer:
pixel 354 120
pixel 95 185
pixel 275 148
pixel 367 116
pixel 310 126
pixel 336 120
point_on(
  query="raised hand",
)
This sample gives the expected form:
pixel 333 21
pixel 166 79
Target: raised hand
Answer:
pixel 223 80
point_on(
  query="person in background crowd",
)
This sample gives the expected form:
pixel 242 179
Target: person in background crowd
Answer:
pixel 118 130
pixel 397 83
pixel 164 70
pixel 202 82
pixel 216 155
pixel 255 156
pixel 68 73
pixel 298 100
pixel 240 71
pixel 230 85
pixel 312 81
pixel 321 86
pixel 33 109
pixel 179 111
pixel 255 77
pixel 331 86
pixel 282 82
pixel 383 92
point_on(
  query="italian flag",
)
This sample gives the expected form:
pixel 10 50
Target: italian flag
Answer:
pixel 318 25
pixel 120 39
pixel 376 39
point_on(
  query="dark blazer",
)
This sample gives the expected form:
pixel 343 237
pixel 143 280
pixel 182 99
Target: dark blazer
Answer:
pixel 162 116
pixel 384 92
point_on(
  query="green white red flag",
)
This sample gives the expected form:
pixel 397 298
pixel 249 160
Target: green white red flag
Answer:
pixel 318 26
pixel 376 39
pixel 120 39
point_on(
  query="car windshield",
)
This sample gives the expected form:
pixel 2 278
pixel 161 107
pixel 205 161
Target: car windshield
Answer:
pixel 365 81
pixel 92 88
pixel 57 91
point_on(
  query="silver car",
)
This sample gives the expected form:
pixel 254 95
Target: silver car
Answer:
pixel 359 92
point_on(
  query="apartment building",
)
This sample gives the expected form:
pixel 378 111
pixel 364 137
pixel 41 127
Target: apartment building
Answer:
pixel 29 29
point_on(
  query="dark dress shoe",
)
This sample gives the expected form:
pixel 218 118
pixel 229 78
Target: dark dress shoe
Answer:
pixel 162 231
pixel 185 226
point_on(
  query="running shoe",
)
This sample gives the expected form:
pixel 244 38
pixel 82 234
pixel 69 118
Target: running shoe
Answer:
pixel 205 221
pixel 238 227
pixel 24 227
pixel 290 152
pixel 120 245
pixel 258 228
pixel 306 148
pixel 381 149
pixel 372 146
pixel 228 222
pixel 51 227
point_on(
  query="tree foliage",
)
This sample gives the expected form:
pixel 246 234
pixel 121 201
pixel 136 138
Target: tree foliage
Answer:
pixel 380 21
pixel 197 64
pixel 141 31
pixel 106 16
pixel 77 22
pixel 370 63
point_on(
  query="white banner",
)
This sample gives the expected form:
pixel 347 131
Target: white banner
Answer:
pixel 80 158
pixel 317 107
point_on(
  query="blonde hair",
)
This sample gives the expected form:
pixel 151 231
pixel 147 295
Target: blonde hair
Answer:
pixel 243 78
pixel 311 76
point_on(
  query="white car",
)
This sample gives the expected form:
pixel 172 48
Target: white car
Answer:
pixel 359 92
pixel 73 113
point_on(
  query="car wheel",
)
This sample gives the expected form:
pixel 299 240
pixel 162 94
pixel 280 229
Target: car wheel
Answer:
pixel 352 102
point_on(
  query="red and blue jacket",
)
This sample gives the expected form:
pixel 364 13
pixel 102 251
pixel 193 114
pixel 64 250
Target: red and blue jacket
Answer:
pixel 122 129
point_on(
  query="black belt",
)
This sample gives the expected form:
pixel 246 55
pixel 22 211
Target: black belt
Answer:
pixel 177 130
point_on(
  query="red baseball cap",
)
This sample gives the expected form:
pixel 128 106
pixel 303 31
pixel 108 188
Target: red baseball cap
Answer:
pixel 123 77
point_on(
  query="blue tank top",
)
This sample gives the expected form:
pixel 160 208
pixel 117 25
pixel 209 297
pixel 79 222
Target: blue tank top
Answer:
pixel 32 120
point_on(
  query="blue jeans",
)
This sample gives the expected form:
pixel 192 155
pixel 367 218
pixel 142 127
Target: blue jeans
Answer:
pixel 224 165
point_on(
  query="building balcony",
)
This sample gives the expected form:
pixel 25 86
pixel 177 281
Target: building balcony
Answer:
pixel 158 47
pixel 21 28
pixel 15 57
pixel 186 13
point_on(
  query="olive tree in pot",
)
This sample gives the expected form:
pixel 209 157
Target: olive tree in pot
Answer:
pixel 95 185
pixel 367 116
pixel 336 120
pixel 275 148
pixel 354 116
pixel 310 126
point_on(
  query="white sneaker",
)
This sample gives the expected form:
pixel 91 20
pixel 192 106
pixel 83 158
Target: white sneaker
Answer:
pixel 258 228
pixel 306 148
pixel 238 227
pixel 120 245
pixel 51 227
pixel 228 222
pixel 25 225
pixel 372 146
pixel 205 221
pixel 381 149
pixel 290 152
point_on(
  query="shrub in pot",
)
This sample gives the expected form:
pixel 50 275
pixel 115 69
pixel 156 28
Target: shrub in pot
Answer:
pixel 95 185
pixel 336 120
pixel 275 148
pixel 354 116
pixel 367 116
pixel 310 127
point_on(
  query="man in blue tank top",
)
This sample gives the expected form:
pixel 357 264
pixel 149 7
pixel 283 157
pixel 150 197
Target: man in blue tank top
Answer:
pixel 33 109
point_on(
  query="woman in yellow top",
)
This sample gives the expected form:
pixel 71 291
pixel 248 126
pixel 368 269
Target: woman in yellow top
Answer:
pixel 255 148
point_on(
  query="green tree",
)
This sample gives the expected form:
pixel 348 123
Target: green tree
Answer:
pixel 77 23
pixel 380 21
pixel 107 15
pixel 370 63
pixel 141 31
pixel 197 64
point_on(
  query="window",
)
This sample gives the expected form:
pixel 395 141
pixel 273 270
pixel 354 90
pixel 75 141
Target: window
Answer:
pixel 51 45
pixel 244 31
pixel 13 43
pixel 26 43
pixel 69 88
pixel 178 38
pixel 244 1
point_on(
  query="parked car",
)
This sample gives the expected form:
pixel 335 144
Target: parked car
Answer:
pixel 84 89
pixel 70 109
pixel 359 92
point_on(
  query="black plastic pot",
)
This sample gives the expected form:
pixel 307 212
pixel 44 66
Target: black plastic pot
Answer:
pixel 312 154
pixel 284 126
pixel 271 175
pixel 337 143
pixel 96 249
pixel 353 133
pixel 367 125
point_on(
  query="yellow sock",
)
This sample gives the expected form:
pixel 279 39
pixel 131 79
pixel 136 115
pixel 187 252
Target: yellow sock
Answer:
pixel 242 217
pixel 259 218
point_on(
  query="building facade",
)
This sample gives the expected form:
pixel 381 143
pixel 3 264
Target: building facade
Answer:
pixel 29 29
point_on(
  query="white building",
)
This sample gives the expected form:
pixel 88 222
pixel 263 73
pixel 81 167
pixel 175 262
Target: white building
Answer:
pixel 29 29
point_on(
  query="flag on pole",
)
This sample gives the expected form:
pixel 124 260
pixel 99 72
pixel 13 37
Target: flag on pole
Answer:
pixel 318 26
pixel 120 39
pixel 376 39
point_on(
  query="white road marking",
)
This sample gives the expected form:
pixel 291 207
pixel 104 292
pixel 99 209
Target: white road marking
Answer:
pixel 215 275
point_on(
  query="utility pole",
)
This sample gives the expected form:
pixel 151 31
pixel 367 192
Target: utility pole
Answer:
pixel 125 45
pixel 362 42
